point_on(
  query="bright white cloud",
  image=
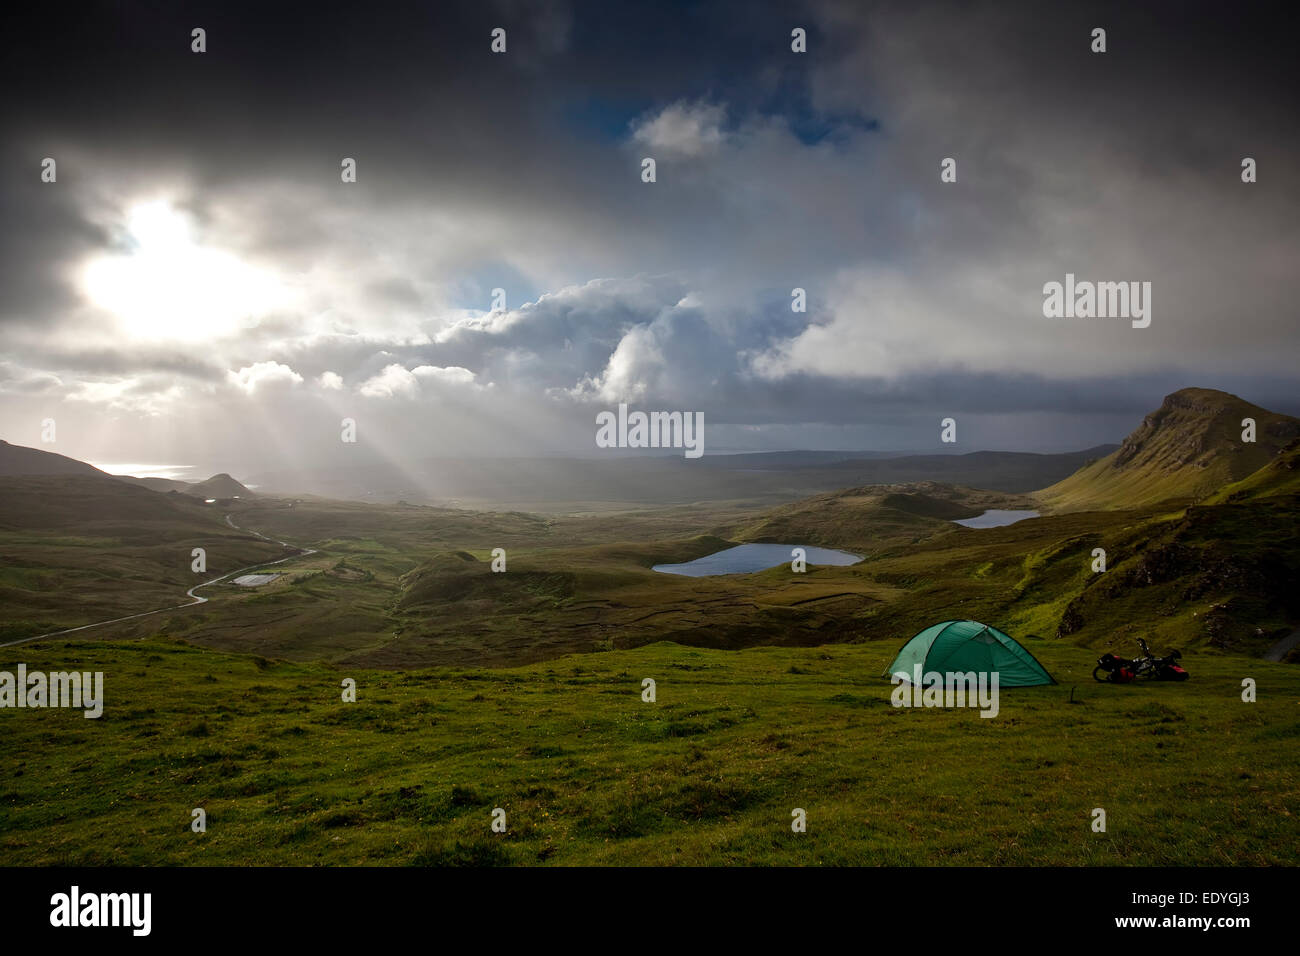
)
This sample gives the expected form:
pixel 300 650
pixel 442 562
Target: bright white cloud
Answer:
pixel 396 381
pixel 261 374
pixel 450 375
pixel 626 375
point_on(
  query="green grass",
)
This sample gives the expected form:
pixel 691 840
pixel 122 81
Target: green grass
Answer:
pixel 589 774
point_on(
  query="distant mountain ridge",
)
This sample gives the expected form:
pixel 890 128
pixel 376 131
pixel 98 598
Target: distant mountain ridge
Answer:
pixel 563 484
pixel 156 484
pixel 19 460
pixel 1189 448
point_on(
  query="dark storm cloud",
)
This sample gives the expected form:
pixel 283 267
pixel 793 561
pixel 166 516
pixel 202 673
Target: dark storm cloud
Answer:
pixel 41 232
pixel 775 171
pixel 410 90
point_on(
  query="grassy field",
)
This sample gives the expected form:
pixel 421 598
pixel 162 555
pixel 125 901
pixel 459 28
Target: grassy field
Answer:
pixel 589 773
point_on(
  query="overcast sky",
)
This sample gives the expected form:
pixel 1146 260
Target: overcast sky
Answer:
pixel 199 286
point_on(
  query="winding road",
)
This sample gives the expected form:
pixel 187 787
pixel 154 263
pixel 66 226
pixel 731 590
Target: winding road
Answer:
pixel 195 598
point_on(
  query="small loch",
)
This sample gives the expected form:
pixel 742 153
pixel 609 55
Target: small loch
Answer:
pixel 748 558
pixel 996 519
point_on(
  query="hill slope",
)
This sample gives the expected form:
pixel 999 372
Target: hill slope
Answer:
pixel 1188 448
pixel 21 460
pixel 1220 574
pixel 156 484
pixel 873 516
pixel 75 549
pixel 1281 476
pixel 218 486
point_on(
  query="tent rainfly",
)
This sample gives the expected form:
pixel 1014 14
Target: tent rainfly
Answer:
pixel 969 646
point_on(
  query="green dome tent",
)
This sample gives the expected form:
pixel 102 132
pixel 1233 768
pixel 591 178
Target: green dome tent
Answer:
pixel 966 646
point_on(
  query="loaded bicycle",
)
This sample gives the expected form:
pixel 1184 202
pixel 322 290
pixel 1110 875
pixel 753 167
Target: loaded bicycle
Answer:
pixel 1111 669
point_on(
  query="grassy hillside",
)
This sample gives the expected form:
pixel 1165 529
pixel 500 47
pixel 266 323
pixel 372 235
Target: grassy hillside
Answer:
pixel 74 550
pixel 1279 478
pixel 1220 574
pixel 588 773
pixel 1189 448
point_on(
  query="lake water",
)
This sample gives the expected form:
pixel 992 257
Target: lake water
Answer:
pixel 254 580
pixel 144 470
pixel 996 519
pixel 748 558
